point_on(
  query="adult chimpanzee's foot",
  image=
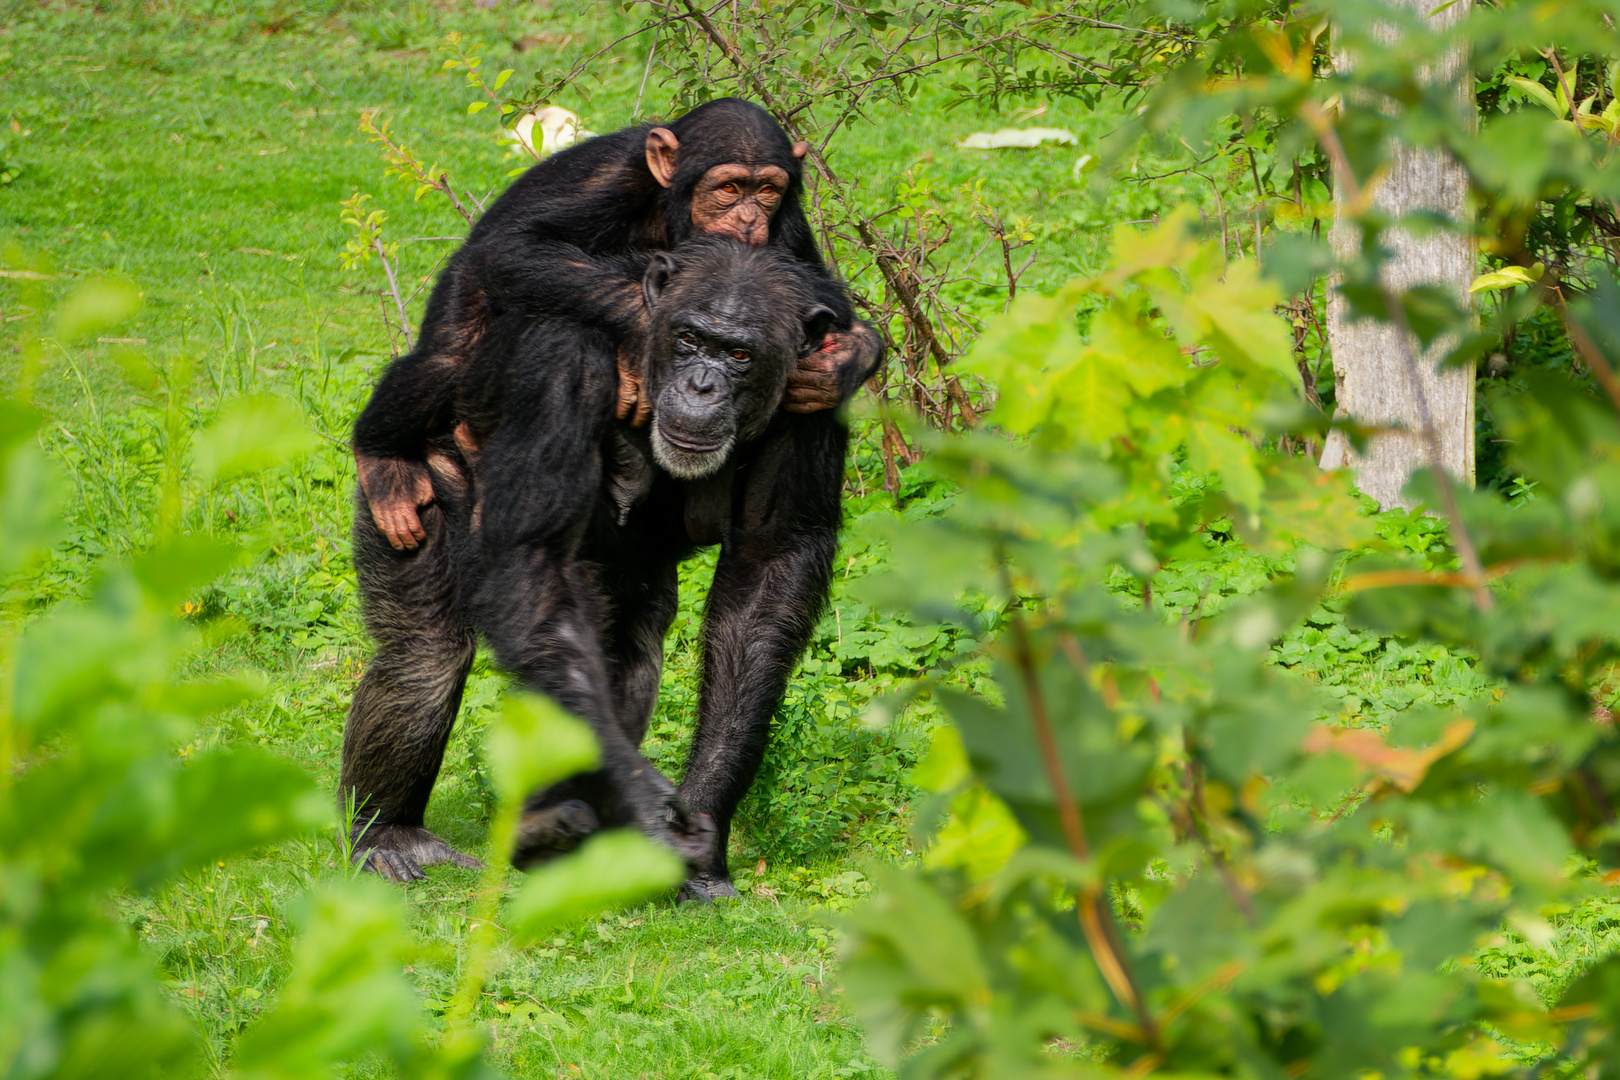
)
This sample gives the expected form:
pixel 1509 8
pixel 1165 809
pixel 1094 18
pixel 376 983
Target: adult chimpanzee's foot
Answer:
pixel 551 831
pixel 398 852
pixel 706 889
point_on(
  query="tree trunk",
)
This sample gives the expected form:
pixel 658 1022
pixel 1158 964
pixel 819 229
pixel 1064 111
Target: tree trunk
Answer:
pixel 1372 377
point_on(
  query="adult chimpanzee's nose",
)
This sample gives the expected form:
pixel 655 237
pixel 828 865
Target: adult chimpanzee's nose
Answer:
pixel 703 382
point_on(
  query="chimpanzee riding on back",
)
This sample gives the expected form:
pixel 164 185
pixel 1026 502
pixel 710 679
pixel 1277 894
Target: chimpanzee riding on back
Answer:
pixel 556 531
pixel 557 245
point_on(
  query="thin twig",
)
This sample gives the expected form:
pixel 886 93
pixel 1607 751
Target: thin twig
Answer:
pixel 1591 354
pixel 393 290
pixel 449 193
pixel 646 71
pixel 1260 202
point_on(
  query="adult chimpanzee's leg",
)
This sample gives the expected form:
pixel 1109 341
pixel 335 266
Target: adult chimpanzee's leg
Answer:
pixel 642 599
pixel 543 612
pixel 645 599
pixel 405 705
pixel 769 589
pixel 541 602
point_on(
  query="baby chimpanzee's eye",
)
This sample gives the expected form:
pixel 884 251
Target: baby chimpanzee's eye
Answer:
pixel 739 354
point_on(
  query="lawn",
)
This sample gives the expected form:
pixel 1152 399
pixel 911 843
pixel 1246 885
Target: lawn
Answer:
pixel 203 154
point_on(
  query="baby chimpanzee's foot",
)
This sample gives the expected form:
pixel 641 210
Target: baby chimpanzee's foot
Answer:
pixel 706 889
pixel 551 831
pixel 398 852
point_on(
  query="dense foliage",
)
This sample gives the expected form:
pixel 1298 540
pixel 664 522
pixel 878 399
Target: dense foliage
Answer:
pixel 1192 872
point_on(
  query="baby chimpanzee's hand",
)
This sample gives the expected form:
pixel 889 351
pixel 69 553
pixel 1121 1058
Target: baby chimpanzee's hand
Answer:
pixel 395 488
pixel 826 378
pixel 633 403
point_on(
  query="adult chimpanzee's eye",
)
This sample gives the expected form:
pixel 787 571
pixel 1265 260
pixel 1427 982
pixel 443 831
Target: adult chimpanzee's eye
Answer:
pixel 686 338
pixel 739 354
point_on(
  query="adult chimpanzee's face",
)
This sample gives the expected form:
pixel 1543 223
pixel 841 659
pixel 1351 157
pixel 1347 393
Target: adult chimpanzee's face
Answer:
pixel 710 387
pixel 729 326
pixel 737 201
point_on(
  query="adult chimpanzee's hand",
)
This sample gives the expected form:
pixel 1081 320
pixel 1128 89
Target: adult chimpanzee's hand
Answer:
pixel 827 377
pixel 395 488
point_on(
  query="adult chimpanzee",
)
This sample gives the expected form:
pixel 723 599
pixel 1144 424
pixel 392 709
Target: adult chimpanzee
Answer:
pixel 551 247
pixel 556 530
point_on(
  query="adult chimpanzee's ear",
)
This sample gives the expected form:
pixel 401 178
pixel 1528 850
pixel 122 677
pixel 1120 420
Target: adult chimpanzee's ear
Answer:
pixel 800 149
pixel 657 276
pixel 661 148
pixel 816 324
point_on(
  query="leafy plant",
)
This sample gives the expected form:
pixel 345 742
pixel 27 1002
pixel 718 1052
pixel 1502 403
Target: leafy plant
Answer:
pixel 104 791
pixel 1160 858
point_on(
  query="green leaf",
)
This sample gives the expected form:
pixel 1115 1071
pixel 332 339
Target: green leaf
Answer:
pixel 1024 352
pixel 33 492
pixel 534 743
pixel 1505 278
pixel 911 951
pixel 95 307
pixel 476 107
pixel 612 869
pixel 1214 448
pixel 175 568
pixel 1537 93
pixel 251 434
pixel 165 819
pixel 500 80
pixel 347 997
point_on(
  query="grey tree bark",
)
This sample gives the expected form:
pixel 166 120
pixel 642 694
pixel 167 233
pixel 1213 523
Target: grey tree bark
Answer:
pixel 1372 370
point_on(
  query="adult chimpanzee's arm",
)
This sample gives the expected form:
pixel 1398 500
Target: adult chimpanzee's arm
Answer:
pixel 769 588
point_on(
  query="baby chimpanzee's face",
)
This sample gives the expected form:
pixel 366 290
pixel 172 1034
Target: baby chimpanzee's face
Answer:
pixel 738 201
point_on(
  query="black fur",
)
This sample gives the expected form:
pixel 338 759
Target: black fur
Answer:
pixel 562 551
pixel 556 245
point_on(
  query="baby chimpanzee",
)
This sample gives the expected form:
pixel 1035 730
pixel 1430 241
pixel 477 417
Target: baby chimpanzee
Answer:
pixel 563 547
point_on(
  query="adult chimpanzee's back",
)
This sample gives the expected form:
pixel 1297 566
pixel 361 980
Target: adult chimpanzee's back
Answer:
pixel 563 547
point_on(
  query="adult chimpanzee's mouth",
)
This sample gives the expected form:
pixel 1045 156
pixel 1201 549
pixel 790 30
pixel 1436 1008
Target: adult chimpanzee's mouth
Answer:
pixel 692 444
pixel 689 456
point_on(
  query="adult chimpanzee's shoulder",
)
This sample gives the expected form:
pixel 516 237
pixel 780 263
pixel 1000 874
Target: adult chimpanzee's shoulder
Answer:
pixel 581 195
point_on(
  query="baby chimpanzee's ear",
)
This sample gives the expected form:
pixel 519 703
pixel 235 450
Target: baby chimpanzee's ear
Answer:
pixel 816 324
pixel 659 271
